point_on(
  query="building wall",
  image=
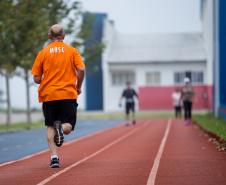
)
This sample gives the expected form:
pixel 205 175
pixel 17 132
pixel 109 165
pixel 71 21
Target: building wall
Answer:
pixel 222 57
pixel 213 18
pixel 94 77
pixel 108 38
pixel 113 93
pixel 208 35
pixel 160 98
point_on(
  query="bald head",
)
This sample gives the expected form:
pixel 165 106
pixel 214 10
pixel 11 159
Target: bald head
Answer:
pixel 56 32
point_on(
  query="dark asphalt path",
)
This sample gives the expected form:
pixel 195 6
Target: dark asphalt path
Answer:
pixel 16 145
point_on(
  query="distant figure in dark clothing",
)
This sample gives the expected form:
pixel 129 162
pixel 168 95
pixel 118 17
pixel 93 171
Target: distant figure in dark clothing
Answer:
pixel 187 97
pixel 129 94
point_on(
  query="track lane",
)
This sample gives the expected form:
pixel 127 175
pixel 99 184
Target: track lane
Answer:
pixel 154 170
pixel 189 159
pixel 35 169
pixel 126 163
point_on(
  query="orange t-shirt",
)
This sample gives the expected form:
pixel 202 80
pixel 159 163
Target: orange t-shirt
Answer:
pixel 57 64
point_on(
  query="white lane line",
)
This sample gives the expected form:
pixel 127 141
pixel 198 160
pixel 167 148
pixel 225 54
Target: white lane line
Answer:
pixel 91 156
pixel 66 143
pixel 154 170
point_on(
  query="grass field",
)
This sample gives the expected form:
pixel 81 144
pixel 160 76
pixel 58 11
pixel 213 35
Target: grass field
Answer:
pixel 212 124
pixel 121 115
pixel 20 126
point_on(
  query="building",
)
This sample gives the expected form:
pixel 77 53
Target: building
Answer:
pixel 214 29
pixel 94 73
pixel 155 64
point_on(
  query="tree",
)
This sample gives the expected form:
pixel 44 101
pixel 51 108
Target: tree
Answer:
pixel 8 58
pixel 37 17
pixel 93 48
pixel 23 32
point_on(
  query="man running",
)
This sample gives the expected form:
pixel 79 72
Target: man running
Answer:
pixel 129 94
pixel 60 71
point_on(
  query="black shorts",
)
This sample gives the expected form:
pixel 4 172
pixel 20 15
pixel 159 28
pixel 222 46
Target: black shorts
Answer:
pixel 60 110
pixel 130 107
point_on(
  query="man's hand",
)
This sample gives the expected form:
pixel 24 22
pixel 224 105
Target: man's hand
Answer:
pixel 120 102
pixel 79 91
pixel 37 79
pixel 80 75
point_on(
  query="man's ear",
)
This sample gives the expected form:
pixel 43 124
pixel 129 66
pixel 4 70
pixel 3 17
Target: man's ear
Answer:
pixel 50 36
pixel 62 36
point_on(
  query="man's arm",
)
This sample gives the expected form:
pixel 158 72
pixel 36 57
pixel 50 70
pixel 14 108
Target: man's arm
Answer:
pixel 80 75
pixel 37 79
pixel 135 94
pixel 120 99
pixel 193 94
pixel 37 68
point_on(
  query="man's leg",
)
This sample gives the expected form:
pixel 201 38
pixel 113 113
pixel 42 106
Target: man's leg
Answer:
pixel 189 111
pixel 50 139
pixel 185 111
pixel 179 111
pixel 175 110
pixel 134 120
pixel 127 114
pixel 67 127
pixel 133 113
pixel 53 148
pixel 127 118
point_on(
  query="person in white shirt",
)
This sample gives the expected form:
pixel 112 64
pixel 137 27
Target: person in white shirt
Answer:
pixel 176 97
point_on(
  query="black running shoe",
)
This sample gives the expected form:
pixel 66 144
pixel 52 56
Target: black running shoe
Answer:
pixel 59 136
pixel 54 163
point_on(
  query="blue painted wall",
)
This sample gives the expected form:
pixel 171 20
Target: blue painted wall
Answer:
pixel 222 57
pixel 94 73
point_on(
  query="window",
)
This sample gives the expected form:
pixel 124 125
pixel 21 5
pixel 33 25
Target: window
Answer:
pixel 196 77
pixel 121 77
pixel 179 77
pixel 153 78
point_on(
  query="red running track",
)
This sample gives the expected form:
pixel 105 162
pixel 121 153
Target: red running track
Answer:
pixel 157 152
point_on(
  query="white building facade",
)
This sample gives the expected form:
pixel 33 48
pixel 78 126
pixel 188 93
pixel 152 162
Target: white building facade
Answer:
pixel 154 61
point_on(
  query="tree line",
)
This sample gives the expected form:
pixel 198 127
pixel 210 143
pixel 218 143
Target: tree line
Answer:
pixel 23 32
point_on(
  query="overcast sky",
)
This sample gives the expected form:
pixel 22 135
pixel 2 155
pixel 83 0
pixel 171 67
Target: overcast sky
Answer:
pixel 146 16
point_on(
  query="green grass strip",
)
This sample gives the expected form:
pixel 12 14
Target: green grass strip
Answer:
pixel 212 124
pixel 20 127
pixel 121 115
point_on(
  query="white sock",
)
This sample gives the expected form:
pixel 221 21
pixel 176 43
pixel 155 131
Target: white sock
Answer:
pixel 54 156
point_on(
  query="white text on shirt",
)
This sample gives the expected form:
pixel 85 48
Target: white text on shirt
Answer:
pixel 56 50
